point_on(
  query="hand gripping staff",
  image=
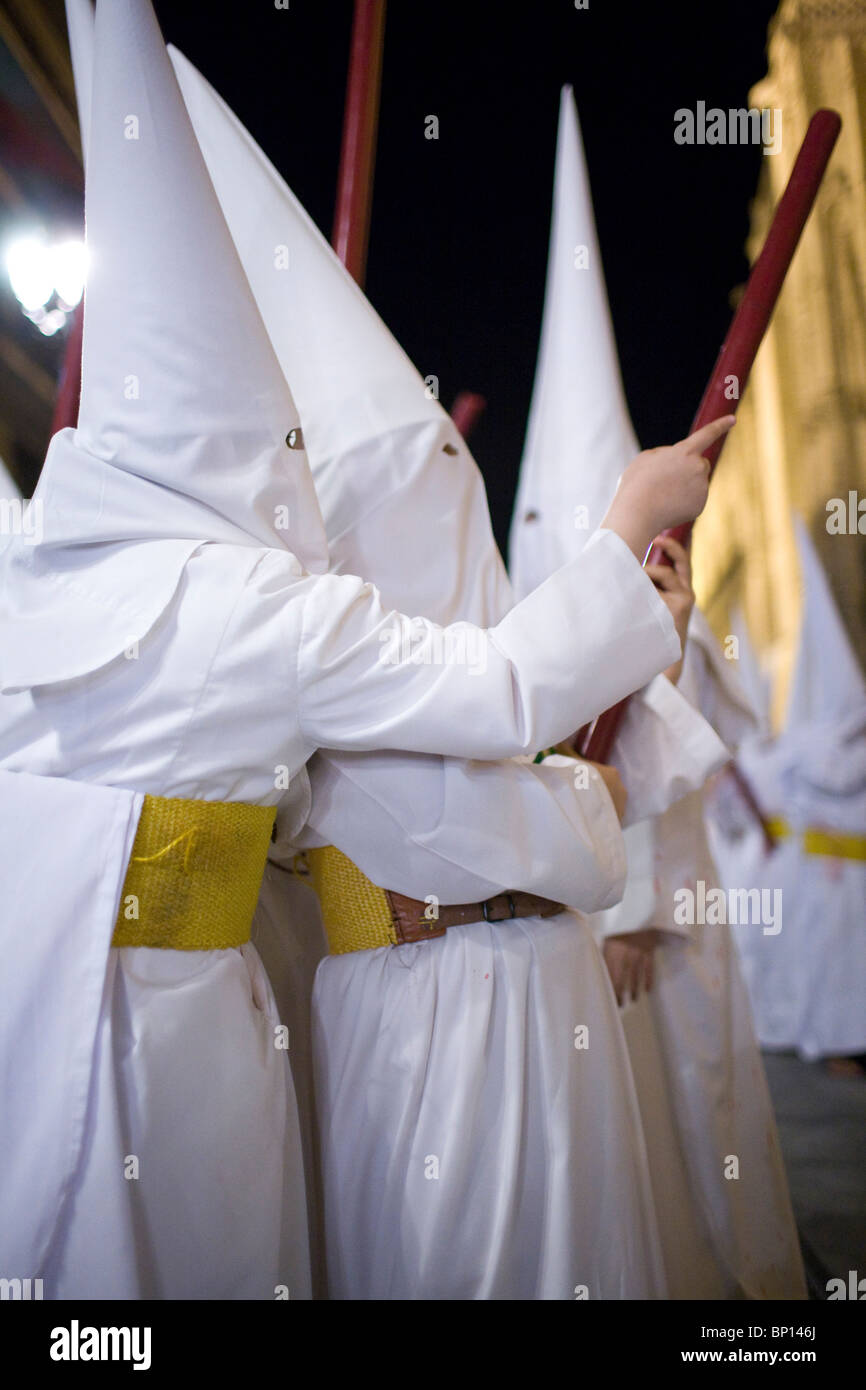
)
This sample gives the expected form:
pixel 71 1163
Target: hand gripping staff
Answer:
pixel 740 348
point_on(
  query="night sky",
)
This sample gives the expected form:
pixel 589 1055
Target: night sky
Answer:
pixel 458 244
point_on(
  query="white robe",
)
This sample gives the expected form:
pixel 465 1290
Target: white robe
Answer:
pixel 491 1159
pixel 476 1143
pixel 726 1233
pixel 251 666
pixel 289 936
pixel 467 1121
pixel 699 1076
pixel 807 983
pixel 404 504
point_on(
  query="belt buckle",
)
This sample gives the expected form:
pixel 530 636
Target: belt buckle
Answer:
pixel 485 908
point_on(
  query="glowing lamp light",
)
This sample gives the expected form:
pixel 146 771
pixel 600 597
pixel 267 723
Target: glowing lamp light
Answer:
pixel 31 273
pixel 47 280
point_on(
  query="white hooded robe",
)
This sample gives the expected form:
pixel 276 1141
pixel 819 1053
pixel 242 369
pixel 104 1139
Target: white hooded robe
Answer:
pixel 808 981
pixel 699 1077
pixel 172 633
pixel 471 1090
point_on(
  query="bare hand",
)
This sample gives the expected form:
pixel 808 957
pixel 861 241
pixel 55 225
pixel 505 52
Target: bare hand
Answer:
pixel 675 589
pixel 663 487
pixel 629 961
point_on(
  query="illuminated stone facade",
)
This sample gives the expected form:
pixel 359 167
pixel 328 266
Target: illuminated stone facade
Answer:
pixel 801 434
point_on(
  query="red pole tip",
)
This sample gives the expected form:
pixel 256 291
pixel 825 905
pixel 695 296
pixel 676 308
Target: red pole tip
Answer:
pixel 828 119
pixel 467 411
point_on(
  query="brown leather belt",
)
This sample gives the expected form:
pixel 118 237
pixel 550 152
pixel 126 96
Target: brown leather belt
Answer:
pixel 410 923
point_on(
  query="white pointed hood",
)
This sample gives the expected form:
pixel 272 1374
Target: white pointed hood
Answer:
pixel 184 411
pixel 820 755
pixel 752 678
pixel 79 24
pixel 403 501
pixel 714 685
pixel 814 772
pixel 579 437
pixel 828 686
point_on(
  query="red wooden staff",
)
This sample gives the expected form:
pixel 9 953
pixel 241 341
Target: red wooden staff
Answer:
pixel 69 389
pixel 740 347
pixel 747 792
pixel 358 153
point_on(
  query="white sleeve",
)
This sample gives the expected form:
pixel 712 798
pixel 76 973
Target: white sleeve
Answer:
pixel 664 749
pixel 712 684
pixel 64 848
pixel 465 831
pixel 662 856
pixel 638 903
pixel 372 679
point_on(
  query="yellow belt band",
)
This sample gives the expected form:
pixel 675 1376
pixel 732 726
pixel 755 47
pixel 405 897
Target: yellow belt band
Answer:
pixel 833 843
pixel 194 874
pixel 356 913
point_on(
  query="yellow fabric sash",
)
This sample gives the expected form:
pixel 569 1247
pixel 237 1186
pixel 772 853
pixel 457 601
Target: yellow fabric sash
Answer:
pixel 194 874
pixel 356 914
pixel 833 843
